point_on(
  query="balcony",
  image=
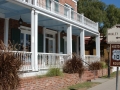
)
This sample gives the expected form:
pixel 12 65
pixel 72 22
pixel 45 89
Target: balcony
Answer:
pixel 61 11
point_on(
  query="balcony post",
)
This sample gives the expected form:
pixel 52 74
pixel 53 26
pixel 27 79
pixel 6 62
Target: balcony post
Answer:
pixel 35 2
pixel 69 40
pixel 82 18
pixel 52 6
pixel 82 45
pixel 44 41
pixel 6 27
pixel 70 13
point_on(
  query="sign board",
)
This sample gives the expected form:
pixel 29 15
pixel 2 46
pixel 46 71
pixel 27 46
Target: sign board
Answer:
pixel 113 35
pixel 115 55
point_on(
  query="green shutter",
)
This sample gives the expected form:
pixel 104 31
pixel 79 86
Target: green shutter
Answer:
pixel 62 45
pixel 15 36
pixel 40 42
pixel 73 46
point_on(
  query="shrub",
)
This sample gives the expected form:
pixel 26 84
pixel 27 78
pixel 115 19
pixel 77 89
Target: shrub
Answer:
pixel 74 65
pixel 54 72
pixel 104 65
pixel 95 65
pixel 9 66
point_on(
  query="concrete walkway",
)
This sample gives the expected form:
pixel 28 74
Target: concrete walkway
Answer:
pixel 106 84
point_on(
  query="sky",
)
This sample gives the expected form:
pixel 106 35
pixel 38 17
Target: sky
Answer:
pixel 115 2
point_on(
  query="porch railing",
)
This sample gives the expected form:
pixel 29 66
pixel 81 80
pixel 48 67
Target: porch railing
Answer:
pixel 62 10
pixel 91 58
pixel 26 59
pixel 47 60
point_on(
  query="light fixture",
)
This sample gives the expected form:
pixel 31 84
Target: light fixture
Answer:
pixel 63 32
pixel 20 21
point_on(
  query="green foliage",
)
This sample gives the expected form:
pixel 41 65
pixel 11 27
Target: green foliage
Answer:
pixel 74 65
pixel 95 65
pixel 54 72
pixel 9 66
pixel 103 64
pixel 98 11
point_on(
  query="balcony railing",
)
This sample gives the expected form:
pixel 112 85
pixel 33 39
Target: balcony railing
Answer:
pixel 62 10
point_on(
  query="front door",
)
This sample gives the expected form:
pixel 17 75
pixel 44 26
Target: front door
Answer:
pixel 50 45
pixel 25 41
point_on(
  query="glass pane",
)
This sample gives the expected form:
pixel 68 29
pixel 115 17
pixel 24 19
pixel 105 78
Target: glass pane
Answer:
pixel 50 46
pixel 28 42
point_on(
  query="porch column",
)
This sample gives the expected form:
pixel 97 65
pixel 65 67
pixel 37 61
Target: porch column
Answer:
pixel 98 46
pixel 44 41
pixel 77 45
pixel 82 44
pixel 34 39
pixel 59 42
pixel 69 39
pixel 6 27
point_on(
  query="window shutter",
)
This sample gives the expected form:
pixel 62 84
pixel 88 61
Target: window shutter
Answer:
pixel 48 4
pixel 62 45
pixel 73 46
pixel 15 36
pixel 40 42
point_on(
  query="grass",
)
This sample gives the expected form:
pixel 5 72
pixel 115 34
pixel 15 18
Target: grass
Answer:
pixel 112 75
pixel 82 86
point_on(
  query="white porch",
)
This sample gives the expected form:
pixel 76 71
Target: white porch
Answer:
pixel 36 13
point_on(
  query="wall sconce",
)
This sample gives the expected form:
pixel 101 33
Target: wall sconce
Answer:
pixel 20 21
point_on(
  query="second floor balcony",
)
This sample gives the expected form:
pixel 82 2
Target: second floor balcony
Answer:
pixel 60 10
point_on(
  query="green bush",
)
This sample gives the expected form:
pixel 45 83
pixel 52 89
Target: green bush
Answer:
pixel 104 65
pixel 54 72
pixel 9 66
pixel 74 65
pixel 95 65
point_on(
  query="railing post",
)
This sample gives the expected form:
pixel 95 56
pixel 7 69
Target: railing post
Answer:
pixel 70 13
pixel 82 18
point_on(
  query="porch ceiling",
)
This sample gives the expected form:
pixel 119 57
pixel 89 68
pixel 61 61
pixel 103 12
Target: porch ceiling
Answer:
pixel 14 11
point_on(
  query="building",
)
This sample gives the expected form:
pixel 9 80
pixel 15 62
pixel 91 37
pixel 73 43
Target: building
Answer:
pixel 49 29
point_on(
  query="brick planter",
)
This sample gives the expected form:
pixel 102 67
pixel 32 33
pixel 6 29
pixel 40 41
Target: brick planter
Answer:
pixel 57 82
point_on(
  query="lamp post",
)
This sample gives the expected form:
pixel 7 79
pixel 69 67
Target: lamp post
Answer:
pixel 108 50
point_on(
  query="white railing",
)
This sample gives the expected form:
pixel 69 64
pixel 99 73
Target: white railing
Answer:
pixel 25 57
pixel 91 58
pixel 62 10
pixel 47 60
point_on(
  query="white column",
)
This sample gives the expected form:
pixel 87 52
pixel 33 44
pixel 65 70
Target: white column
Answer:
pixel 82 44
pixel 32 39
pixel 98 46
pixel 44 41
pixel 69 39
pixel 36 41
pixel 70 13
pixel 77 45
pixel 58 42
pixel 35 2
pixel 6 27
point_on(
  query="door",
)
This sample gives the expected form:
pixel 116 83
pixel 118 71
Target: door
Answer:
pixel 25 42
pixel 50 45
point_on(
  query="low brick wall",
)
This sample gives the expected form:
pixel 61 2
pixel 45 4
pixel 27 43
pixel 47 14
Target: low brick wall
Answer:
pixel 57 82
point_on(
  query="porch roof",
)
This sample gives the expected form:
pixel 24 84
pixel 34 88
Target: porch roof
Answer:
pixel 14 11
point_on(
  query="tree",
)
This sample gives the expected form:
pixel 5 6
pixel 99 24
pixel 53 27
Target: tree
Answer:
pixel 106 16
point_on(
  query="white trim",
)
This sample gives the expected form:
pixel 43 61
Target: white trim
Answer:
pixel 48 31
pixel 25 31
pixel 25 28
